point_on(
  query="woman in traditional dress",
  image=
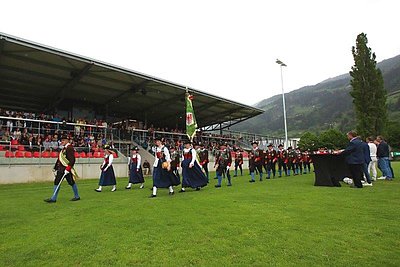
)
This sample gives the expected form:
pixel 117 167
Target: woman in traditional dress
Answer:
pixel 135 169
pixel 163 177
pixel 107 176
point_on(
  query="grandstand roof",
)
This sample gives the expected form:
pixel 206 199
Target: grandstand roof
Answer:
pixel 37 78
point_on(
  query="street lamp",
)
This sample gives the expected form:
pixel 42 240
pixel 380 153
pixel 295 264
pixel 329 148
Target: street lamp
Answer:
pixel 283 101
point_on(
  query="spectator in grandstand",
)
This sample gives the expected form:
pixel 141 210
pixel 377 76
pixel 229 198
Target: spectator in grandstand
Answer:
pixel 54 144
pixel 146 167
pixel 47 144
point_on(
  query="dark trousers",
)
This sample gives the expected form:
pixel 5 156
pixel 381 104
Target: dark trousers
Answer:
pixel 356 171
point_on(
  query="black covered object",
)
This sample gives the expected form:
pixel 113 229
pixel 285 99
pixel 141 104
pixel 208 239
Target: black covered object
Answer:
pixel 329 169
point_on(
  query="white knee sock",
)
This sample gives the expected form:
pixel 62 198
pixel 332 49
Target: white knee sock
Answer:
pixel 154 190
pixel 100 187
pixel 130 185
pixel 171 189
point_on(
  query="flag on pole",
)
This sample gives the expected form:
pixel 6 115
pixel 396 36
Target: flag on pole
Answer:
pixel 191 123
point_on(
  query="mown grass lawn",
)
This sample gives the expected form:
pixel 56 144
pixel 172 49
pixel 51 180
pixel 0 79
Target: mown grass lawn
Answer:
pixel 286 221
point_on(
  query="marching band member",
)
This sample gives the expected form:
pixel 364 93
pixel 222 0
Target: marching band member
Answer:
pixel 163 177
pixel 192 176
pixel 282 160
pixel 135 169
pixel 64 168
pixel 107 176
pixel 257 155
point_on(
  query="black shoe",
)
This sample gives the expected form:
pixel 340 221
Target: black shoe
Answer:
pixel 49 200
pixel 235 176
pixel 182 191
pixel 197 188
pixel 97 190
pixel 128 187
pixel 75 199
pixel 151 196
pixel 260 180
pixel 171 193
pixel 251 181
pixel 217 185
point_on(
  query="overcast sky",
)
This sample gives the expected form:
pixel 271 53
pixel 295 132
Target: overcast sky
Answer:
pixel 227 48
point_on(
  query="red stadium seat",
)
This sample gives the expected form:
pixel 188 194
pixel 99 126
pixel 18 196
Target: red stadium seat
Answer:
pixel 1 148
pixel 14 142
pixel 89 155
pixel 28 154
pixel 54 154
pixel 115 154
pixel 77 155
pixel 19 154
pixel 36 154
pixel 102 154
pixel 97 154
pixel 45 154
pixel 21 148
pixel 9 154
pixel 83 154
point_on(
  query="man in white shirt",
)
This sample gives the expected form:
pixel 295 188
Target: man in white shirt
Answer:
pixel 374 159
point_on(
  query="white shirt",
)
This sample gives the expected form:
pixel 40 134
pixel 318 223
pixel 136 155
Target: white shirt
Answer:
pixel 372 150
pixel 167 156
pixel 139 160
pixel 110 160
pixel 194 154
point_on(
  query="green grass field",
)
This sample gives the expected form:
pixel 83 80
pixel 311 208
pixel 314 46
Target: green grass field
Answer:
pixel 281 222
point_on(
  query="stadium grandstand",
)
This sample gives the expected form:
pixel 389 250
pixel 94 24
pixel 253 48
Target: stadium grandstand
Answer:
pixel 46 92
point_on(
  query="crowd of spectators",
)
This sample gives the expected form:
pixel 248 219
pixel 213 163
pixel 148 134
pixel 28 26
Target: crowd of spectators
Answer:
pixel 46 135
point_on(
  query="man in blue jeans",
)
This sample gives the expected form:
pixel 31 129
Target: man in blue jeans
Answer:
pixel 367 158
pixel 383 159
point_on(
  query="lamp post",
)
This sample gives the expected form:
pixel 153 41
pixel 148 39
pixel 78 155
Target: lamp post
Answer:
pixel 283 102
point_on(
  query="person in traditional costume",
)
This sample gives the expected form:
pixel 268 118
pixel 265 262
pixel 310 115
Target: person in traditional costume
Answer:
pixel 238 162
pixel 163 177
pixel 135 169
pixel 175 161
pixel 64 169
pixel 222 164
pixel 203 157
pixel 107 176
pixel 258 159
pixel 282 160
pixel 192 176
pixel 271 158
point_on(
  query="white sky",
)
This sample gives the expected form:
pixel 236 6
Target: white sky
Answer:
pixel 227 48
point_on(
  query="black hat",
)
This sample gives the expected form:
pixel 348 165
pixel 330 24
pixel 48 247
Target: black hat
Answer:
pixel 201 144
pixel 270 144
pixel 107 147
pixel 289 147
pixel 254 142
pixel 280 145
pixel 64 136
pixel 187 141
pixel 157 138
pixel 135 148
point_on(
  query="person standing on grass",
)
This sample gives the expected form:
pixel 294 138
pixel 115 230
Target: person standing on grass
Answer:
pixel 192 176
pixel 354 158
pixel 372 164
pixel 258 158
pixel 107 176
pixel 307 162
pixel 203 157
pixel 221 164
pixel 238 162
pixel 382 153
pixel 270 161
pixel 163 177
pixel 135 170
pixel 282 160
pixel 64 167
pixel 367 159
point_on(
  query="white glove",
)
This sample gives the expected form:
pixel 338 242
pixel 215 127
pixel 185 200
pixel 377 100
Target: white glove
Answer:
pixel 191 165
pixel 105 169
pixel 227 167
pixel 137 170
pixel 66 172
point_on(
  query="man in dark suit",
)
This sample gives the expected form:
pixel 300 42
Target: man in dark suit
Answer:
pixel 355 158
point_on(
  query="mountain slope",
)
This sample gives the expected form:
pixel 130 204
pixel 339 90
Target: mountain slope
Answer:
pixel 321 106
